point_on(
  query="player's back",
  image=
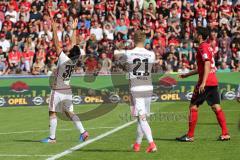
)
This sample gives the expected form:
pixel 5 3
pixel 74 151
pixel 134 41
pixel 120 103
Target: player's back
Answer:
pixel 140 61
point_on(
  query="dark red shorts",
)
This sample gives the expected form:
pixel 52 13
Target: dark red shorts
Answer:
pixel 210 95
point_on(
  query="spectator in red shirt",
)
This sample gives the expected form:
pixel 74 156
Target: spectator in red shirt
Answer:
pixel 8 23
pixel 201 10
pixel 27 59
pixel 225 10
pixel 91 64
pixel 14 58
pixel 159 40
pixel 26 5
pixel 188 12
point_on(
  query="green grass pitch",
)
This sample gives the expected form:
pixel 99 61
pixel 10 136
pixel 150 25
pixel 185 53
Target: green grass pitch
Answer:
pixel 22 128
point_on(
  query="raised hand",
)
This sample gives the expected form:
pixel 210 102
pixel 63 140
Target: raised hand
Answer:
pixel 75 23
pixel 50 14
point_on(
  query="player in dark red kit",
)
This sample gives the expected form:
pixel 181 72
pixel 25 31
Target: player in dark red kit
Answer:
pixel 206 88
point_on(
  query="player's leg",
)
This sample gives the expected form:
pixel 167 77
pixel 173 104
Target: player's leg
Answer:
pixel 139 131
pixel 192 121
pixel 52 125
pixel 53 103
pixel 138 110
pixel 75 119
pixel 213 99
pixel 68 109
pixel 142 119
pixel 147 100
pixel 147 132
pixel 196 101
pixel 221 121
pixel 139 137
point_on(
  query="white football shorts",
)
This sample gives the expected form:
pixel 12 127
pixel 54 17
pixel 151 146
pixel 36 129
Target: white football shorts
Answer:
pixel 60 101
pixel 140 106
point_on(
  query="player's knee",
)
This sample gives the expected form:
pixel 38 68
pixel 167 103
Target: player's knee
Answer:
pixel 216 107
pixel 70 114
pixel 143 117
pixel 52 114
pixel 193 107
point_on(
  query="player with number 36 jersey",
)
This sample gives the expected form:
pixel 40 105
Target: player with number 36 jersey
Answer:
pixel 61 93
pixel 65 67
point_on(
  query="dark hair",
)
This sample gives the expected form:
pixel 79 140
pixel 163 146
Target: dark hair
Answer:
pixel 74 53
pixel 204 32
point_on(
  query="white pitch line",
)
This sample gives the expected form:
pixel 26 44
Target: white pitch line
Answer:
pixel 70 150
pixel 23 155
pixel 39 131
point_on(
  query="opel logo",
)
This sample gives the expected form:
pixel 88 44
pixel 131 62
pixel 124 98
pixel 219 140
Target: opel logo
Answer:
pixel 154 97
pixel 230 95
pixel 77 99
pixel 189 95
pixel 2 101
pixel 38 101
pixel 114 98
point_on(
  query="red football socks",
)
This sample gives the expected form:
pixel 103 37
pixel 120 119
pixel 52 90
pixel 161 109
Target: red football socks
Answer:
pixel 222 121
pixel 193 117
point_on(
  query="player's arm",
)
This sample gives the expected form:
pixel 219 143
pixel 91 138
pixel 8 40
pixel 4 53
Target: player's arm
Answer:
pixel 191 73
pixel 74 27
pixel 207 67
pixel 206 71
pixel 55 37
pixel 123 62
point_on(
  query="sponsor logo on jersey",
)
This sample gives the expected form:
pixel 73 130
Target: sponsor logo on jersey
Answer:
pixel 205 56
pixel 19 87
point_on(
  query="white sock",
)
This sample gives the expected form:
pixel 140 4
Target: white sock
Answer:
pixel 78 123
pixel 146 129
pixel 53 127
pixel 140 134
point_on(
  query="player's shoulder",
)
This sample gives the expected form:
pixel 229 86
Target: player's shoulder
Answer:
pixel 204 45
pixel 63 56
pixel 142 50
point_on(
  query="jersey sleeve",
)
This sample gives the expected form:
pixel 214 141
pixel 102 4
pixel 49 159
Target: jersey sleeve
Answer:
pixel 206 53
pixel 123 61
pixel 153 57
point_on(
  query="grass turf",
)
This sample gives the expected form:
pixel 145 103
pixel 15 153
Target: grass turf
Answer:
pixel 169 121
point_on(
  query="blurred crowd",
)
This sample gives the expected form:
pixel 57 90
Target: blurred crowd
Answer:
pixel 106 29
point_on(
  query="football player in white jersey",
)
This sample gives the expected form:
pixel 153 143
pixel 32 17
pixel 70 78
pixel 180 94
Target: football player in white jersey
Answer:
pixel 61 94
pixel 140 62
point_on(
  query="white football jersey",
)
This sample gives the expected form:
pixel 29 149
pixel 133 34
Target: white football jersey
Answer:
pixel 63 73
pixel 140 61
